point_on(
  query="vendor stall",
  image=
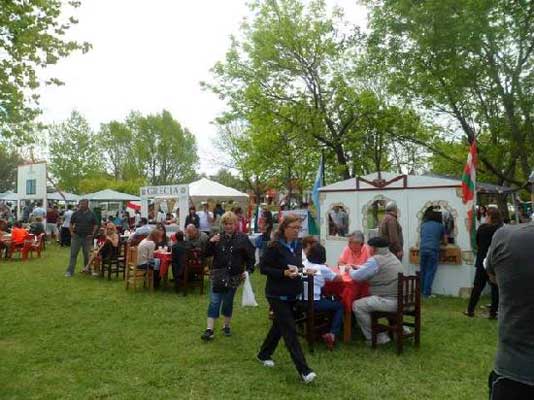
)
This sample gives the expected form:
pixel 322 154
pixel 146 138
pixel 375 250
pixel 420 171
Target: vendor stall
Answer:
pixel 359 203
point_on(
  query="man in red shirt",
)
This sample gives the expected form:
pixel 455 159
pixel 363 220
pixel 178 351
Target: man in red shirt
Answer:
pixel 52 216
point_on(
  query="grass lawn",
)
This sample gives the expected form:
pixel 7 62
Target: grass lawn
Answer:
pixel 88 338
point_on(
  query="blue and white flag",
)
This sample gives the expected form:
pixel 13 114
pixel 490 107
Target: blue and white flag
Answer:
pixel 316 186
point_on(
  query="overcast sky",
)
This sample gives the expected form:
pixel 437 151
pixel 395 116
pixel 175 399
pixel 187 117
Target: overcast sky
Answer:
pixel 149 56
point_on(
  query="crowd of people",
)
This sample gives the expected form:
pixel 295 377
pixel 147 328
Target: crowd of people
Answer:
pixel 285 259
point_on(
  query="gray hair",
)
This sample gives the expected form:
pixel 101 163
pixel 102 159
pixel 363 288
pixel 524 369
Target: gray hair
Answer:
pixel 357 236
pixel 381 250
pixel 391 206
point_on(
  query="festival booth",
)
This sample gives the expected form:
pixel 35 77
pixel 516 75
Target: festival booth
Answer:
pixel 361 201
pixel 108 201
pixel 64 196
pixel 206 190
pixel 172 198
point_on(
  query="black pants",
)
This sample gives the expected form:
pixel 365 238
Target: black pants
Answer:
pixel 284 326
pixel 481 278
pixel 64 237
pixel 501 388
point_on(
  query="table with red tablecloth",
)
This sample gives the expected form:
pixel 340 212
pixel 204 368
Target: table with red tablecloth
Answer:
pixel 347 291
pixel 164 258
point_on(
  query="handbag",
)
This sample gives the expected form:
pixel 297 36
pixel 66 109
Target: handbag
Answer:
pixel 220 280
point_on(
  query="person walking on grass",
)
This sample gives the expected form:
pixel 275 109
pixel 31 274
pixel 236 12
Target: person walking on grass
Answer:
pixel 232 254
pixel 83 226
pixel 484 235
pixel 280 262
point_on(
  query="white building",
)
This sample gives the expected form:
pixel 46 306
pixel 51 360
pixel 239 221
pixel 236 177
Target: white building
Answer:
pixel 363 199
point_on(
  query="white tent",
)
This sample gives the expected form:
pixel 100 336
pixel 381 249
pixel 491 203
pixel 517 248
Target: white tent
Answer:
pixel 110 195
pixel 56 196
pixel 8 196
pixel 204 190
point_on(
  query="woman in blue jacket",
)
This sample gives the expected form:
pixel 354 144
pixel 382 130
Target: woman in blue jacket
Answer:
pixel 281 261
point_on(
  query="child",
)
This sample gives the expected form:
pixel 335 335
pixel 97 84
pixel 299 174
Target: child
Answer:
pixel 321 274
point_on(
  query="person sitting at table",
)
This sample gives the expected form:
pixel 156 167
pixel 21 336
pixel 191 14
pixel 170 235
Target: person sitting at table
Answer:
pixel 18 234
pixel 356 252
pixel 110 248
pixel 145 254
pixel 164 242
pixel 4 242
pixel 37 227
pixel 177 257
pixel 315 264
pixel 381 271
pixel 140 233
pixel 307 243
pixel 195 239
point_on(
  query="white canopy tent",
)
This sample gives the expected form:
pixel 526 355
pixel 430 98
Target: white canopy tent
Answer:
pixel 204 190
pixel 110 195
pixel 9 196
pixel 57 196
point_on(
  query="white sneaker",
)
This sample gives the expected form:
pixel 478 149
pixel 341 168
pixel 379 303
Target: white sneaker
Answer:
pixel 266 363
pixel 68 274
pixel 382 338
pixel 406 330
pixel 309 377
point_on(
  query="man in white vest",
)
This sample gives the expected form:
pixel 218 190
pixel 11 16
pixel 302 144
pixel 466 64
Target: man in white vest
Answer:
pixel 381 272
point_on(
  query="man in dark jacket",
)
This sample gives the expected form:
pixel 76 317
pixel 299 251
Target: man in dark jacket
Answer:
pixel 391 230
pixel 232 253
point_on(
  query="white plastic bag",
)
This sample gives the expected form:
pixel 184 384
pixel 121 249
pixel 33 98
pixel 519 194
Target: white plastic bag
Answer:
pixel 249 300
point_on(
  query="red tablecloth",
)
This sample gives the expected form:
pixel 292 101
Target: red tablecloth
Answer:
pixel 347 290
pixel 165 261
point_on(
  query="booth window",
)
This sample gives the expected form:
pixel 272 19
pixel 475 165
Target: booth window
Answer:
pixel 338 220
pixel 31 186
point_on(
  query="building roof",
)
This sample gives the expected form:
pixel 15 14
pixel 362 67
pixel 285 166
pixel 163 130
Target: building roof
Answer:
pixel 109 195
pixel 392 181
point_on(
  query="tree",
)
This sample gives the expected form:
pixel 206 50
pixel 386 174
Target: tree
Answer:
pixel 74 153
pixel 293 77
pixel 116 139
pixel 226 178
pixel 32 36
pixel 470 61
pixel 162 151
pixel 9 160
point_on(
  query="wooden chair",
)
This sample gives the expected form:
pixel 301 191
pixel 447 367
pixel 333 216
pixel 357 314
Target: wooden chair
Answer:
pixel 408 305
pixel 36 246
pixel 311 324
pixel 134 275
pixel 115 264
pixel 193 271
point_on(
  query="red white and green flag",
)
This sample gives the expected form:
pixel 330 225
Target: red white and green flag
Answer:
pixel 469 179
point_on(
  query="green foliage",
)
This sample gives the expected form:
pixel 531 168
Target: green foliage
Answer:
pixel 293 80
pixel 469 61
pixel 97 183
pixel 116 344
pixel 9 160
pixel 31 38
pixel 162 150
pixel 74 153
pixel 226 178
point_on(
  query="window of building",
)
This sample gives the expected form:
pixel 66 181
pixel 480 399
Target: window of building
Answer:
pixel 31 186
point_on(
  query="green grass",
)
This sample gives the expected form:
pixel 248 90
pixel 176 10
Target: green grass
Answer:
pixel 87 338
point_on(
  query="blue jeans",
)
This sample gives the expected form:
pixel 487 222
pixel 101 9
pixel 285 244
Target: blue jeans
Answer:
pixel 223 302
pixel 429 265
pixel 336 307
